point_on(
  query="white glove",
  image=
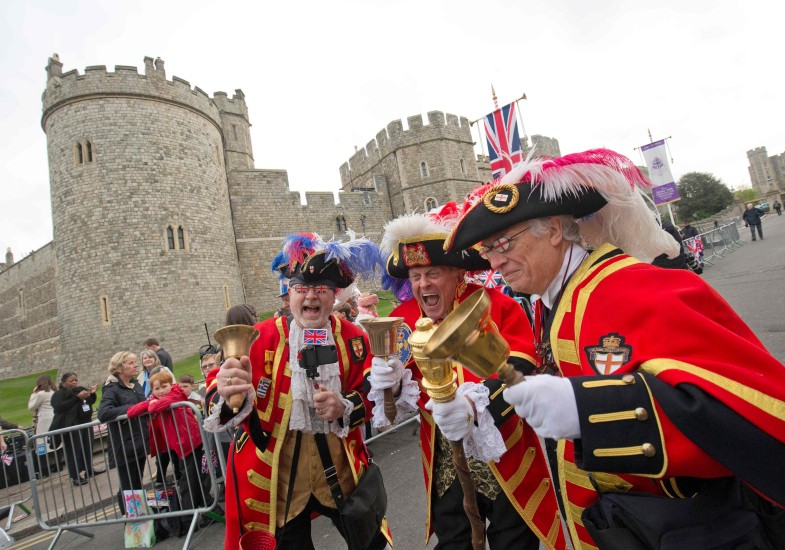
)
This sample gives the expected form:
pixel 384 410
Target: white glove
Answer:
pixel 385 373
pixel 548 405
pixel 454 418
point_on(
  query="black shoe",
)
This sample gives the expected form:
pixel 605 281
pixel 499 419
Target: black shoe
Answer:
pixel 79 481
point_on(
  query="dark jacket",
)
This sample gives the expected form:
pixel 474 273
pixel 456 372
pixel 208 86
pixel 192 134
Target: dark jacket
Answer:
pixel 164 357
pixel 689 232
pixel 128 437
pixel 752 216
pixel 680 261
pixel 68 409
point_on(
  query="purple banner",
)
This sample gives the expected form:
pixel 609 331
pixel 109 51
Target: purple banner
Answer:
pixel 666 193
pixel 652 145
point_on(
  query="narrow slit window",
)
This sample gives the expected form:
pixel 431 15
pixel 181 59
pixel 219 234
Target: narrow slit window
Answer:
pixel 226 296
pixel 170 237
pixel 105 319
pixel 181 237
pixel 89 149
pixel 424 173
pixel 430 204
pixel 22 303
pixel 79 154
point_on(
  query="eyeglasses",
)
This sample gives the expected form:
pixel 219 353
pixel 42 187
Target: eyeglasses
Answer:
pixel 500 245
pixel 304 289
pixel 208 366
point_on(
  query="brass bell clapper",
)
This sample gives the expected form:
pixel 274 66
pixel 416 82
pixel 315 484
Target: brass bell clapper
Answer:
pixel 383 341
pixel 439 381
pixel 236 341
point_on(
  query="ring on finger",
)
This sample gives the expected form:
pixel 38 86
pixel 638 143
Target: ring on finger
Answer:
pixel 228 380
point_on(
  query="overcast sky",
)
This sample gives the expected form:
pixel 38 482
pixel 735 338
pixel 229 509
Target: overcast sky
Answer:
pixel 323 77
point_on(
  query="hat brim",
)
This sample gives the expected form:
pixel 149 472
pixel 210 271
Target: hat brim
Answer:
pixel 490 215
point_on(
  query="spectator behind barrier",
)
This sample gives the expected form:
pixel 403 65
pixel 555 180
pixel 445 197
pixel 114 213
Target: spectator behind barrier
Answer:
pixel 73 405
pixel 174 431
pixel 128 444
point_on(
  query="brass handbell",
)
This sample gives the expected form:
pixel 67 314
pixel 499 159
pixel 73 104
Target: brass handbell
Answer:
pixel 438 375
pixel 236 341
pixel 469 335
pixel 383 340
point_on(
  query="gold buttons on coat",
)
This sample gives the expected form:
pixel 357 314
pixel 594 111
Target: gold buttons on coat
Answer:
pixel 641 414
pixel 628 379
pixel 648 450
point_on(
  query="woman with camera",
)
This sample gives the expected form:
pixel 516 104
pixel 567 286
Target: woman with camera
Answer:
pixel 73 405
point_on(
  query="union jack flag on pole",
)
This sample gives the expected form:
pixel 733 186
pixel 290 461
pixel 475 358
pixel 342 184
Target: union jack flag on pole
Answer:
pixel 504 142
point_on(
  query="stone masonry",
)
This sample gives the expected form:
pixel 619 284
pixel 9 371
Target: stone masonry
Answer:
pixel 161 221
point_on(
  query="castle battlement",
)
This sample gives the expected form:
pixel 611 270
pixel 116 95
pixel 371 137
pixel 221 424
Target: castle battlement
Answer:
pixel 757 151
pixel 234 105
pixel 394 137
pixel 125 81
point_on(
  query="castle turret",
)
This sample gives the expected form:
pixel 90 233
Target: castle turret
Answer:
pixel 418 168
pixel 236 130
pixel 143 235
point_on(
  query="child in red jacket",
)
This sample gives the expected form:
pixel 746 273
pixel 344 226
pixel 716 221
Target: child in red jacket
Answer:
pixel 175 430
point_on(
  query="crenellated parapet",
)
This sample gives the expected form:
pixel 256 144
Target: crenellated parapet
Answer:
pixel 98 82
pixel 439 127
pixel 757 151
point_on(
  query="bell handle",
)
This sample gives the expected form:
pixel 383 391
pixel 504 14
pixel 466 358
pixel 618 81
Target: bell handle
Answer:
pixel 469 495
pixel 390 410
pixel 236 401
pixel 510 375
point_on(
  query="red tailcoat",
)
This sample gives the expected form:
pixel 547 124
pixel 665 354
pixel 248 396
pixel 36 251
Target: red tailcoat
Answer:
pixel 522 471
pixel 671 385
pixel 257 469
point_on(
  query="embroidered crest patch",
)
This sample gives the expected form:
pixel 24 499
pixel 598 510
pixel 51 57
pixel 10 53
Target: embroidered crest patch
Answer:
pixel 610 355
pixel 359 353
pixel 402 338
pixel 501 198
pixel 415 254
pixel 263 387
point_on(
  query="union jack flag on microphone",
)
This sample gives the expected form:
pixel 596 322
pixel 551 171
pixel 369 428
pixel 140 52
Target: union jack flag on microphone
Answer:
pixel 504 143
pixel 315 336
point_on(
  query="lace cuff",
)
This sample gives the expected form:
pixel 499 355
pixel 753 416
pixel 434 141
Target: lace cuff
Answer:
pixel 406 402
pixel 338 428
pixel 485 442
pixel 213 424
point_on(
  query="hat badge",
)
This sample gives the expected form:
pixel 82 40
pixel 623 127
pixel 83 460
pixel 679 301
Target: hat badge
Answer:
pixel 501 198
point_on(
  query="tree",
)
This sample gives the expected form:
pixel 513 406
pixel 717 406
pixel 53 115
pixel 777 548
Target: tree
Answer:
pixel 746 195
pixel 702 195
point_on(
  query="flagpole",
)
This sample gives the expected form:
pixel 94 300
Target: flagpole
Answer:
pixel 520 120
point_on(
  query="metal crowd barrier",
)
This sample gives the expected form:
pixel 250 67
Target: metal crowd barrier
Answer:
pixel 14 489
pixel 719 241
pixel 62 505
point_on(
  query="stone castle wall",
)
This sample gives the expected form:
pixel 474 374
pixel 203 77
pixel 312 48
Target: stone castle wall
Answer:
pixel 265 211
pixel 444 144
pixel 157 150
pixel 164 155
pixel 29 327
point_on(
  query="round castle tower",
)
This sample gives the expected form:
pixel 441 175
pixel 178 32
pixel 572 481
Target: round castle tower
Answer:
pixel 143 233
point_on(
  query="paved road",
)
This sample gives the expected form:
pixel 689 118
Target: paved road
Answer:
pixel 751 278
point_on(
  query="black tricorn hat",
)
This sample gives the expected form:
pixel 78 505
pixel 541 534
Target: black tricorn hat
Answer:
pixel 307 258
pixel 578 185
pixel 315 269
pixel 426 250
